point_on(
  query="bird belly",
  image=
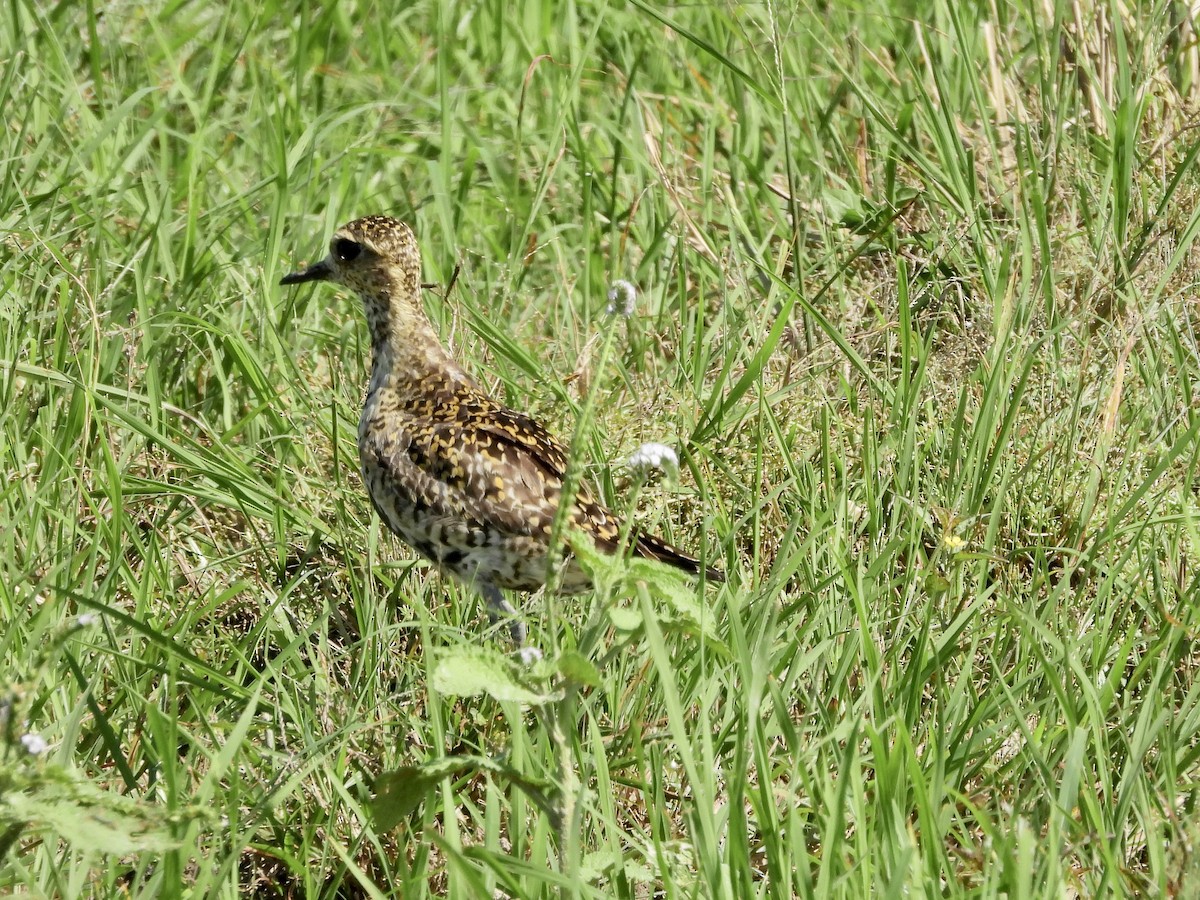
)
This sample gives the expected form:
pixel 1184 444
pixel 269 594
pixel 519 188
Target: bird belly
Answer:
pixel 457 544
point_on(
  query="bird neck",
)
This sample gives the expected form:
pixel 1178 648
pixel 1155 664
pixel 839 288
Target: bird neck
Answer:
pixel 407 355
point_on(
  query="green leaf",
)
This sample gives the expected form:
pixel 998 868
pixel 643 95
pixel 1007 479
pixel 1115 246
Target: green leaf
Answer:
pixel 682 596
pixel 83 815
pixel 624 618
pixel 578 669
pixel 401 791
pixel 471 671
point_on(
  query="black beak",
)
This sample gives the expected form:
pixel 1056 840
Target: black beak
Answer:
pixel 321 271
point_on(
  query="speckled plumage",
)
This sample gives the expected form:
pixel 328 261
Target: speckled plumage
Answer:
pixel 468 483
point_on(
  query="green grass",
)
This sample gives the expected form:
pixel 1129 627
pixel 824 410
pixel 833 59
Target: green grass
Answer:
pixel 917 305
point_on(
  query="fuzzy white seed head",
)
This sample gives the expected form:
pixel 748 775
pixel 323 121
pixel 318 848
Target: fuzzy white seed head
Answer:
pixel 34 744
pixel 86 620
pixel 622 298
pixel 654 456
pixel 530 655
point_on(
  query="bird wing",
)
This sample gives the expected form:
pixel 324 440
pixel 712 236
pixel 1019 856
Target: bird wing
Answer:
pixel 538 463
pixel 525 444
pixel 494 466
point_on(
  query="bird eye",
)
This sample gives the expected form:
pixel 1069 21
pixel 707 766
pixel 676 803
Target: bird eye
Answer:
pixel 345 249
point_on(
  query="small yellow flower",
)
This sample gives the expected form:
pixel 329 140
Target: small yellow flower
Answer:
pixel 953 542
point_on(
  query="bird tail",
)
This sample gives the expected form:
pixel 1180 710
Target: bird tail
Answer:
pixel 651 547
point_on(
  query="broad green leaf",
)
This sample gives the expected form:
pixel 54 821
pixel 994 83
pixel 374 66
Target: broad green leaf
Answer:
pixel 471 671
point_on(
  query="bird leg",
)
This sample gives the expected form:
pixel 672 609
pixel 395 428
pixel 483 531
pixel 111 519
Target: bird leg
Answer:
pixel 498 608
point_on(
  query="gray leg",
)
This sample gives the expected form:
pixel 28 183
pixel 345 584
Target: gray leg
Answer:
pixel 498 608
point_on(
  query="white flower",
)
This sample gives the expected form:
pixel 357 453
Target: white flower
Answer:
pixel 654 456
pixel 622 298
pixel 34 744
pixel 530 655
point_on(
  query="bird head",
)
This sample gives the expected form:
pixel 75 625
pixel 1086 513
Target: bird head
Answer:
pixel 373 254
